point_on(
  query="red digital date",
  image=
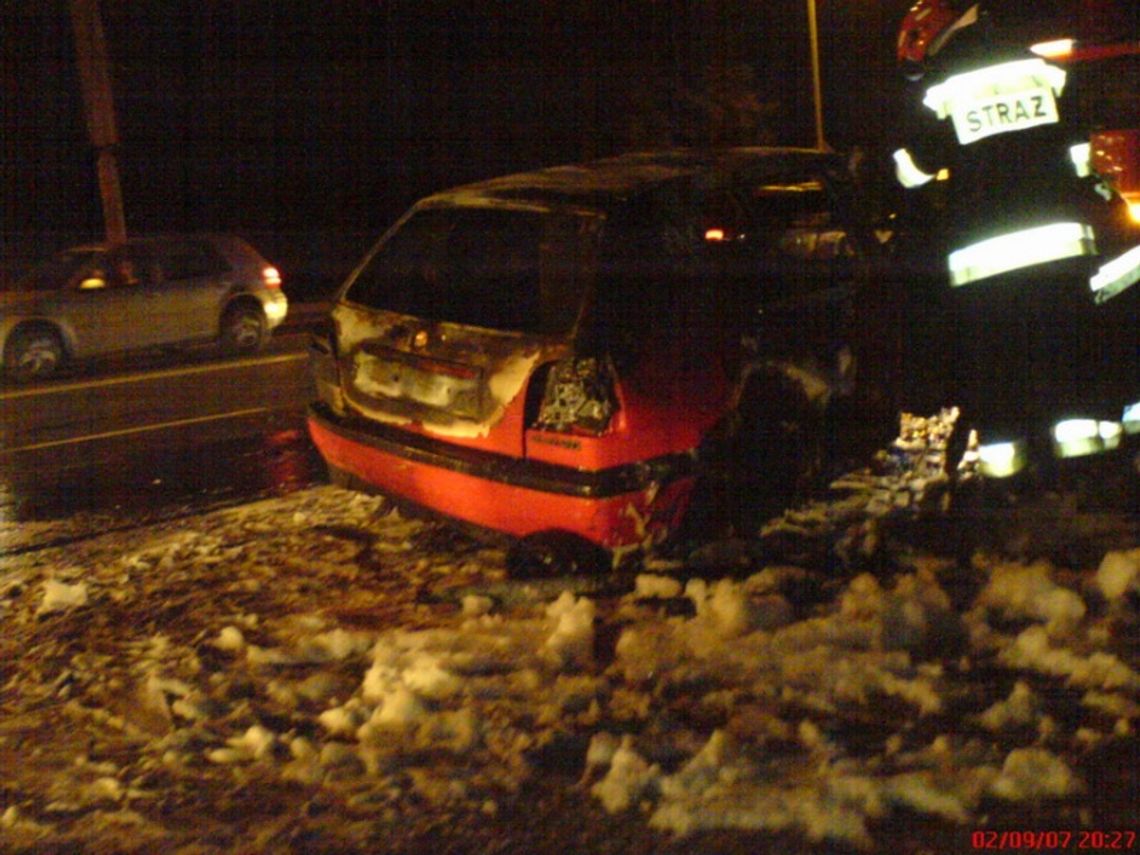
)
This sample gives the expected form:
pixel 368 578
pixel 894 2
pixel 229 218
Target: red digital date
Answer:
pixel 1053 840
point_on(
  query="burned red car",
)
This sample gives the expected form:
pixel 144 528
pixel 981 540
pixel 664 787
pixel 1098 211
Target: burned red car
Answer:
pixel 566 355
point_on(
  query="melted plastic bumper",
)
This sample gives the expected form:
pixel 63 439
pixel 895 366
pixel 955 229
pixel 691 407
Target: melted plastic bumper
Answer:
pixel 619 508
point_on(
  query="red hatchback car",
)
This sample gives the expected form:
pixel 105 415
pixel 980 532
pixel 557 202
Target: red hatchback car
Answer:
pixel 565 355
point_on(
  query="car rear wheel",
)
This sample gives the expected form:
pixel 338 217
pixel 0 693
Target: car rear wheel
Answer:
pixel 556 553
pixel 243 329
pixel 765 457
pixel 33 354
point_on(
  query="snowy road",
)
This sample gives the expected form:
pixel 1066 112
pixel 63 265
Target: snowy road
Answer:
pixel 315 673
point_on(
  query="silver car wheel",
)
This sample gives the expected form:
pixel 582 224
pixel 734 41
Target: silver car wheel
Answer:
pixel 33 355
pixel 243 330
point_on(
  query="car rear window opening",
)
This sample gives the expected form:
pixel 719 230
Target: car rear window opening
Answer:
pixel 478 267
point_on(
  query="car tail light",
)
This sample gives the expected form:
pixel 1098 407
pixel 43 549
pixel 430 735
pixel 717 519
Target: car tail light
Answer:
pixel 271 276
pixel 579 395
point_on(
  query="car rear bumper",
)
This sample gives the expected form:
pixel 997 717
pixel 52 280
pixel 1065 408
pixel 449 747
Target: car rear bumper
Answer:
pixel 619 508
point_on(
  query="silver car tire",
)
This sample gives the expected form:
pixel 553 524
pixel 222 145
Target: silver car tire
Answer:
pixel 243 330
pixel 33 354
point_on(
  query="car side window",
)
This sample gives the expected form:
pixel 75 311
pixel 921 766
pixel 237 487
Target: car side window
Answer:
pixel 796 226
pixel 776 239
pixel 130 267
pixel 653 279
pixel 94 275
pixel 190 259
pixel 806 260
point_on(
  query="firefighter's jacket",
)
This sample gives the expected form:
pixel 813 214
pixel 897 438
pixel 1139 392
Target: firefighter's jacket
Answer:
pixel 1020 191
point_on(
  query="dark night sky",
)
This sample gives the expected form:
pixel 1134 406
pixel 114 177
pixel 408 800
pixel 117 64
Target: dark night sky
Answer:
pixel 293 119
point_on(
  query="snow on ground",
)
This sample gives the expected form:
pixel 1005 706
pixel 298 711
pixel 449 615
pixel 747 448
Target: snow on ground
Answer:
pixel 317 670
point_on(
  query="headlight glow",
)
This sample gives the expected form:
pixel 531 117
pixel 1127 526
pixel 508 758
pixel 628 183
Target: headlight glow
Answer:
pixel 1130 418
pixel 1081 437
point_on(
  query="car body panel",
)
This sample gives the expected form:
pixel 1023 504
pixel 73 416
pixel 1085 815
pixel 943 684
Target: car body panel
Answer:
pixel 469 384
pixel 617 511
pixel 573 389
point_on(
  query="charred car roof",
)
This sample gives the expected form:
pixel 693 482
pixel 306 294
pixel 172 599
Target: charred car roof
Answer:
pixel 601 184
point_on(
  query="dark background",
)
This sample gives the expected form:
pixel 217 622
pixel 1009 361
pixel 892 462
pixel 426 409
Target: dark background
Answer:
pixel 310 126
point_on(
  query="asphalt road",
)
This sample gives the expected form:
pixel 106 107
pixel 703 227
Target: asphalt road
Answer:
pixel 140 437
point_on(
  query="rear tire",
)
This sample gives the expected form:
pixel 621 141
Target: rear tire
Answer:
pixel 556 553
pixel 766 457
pixel 33 354
pixel 243 330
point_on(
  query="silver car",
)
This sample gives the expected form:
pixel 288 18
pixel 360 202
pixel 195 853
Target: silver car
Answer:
pixel 149 292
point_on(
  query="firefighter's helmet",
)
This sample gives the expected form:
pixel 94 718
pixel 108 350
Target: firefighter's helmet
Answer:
pixel 920 32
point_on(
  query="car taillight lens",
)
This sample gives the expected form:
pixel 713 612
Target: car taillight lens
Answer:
pixel 271 276
pixel 579 395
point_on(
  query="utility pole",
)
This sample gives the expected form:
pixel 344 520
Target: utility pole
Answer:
pixel 816 89
pixel 95 79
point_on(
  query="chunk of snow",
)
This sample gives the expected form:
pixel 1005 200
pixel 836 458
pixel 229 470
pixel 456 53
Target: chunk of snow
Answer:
pixel 477 606
pixel 256 743
pixel 649 586
pixel 702 770
pixel 59 597
pixel 1119 573
pixel 1019 709
pixel 629 779
pixel 230 638
pixel 104 789
pixel 455 730
pixel 398 707
pixel 382 675
pixel 1028 592
pixel 729 611
pixel 343 758
pixel 819 815
pixel 13 820
pixel 1031 773
pixel 428 679
pixel 913 616
pixel 921 792
pixel 152 701
pixel 335 645
pixel 1111 704
pixel 344 720
pixel 812 738
pixel 601 750
pixel 1032 650
pixel 572 641
pixel 271 657
pixel 302 748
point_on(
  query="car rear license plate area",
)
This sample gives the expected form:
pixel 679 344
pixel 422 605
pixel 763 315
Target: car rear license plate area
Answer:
pixel 438 384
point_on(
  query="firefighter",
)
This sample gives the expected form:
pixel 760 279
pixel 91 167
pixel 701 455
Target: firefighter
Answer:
pixel 1039 256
